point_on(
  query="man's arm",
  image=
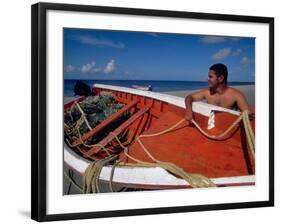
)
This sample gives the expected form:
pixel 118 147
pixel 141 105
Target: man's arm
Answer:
pixel 200 95
pixel 243 104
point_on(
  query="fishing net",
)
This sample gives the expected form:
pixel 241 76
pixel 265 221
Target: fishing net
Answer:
pixel 90 112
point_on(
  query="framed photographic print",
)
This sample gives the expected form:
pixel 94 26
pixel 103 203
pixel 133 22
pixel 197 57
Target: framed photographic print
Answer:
pixel 138 111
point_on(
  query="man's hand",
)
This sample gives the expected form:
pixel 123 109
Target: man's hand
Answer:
pixel 188 106
pixel 189 116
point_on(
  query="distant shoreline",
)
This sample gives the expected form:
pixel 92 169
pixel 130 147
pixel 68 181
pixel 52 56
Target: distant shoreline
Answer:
pixel 247 90
pixel 157 85
pixel 157 80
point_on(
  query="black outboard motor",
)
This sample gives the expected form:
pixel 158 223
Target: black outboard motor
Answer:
pixel 82 89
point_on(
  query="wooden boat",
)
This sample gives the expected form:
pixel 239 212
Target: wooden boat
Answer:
pixel 227 162
pixel 146 88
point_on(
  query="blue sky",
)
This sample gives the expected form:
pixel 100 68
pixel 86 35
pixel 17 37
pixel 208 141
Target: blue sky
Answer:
pixel 125 55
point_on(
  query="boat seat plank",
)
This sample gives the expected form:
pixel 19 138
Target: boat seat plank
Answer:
pixel 117 131
pixel 106 122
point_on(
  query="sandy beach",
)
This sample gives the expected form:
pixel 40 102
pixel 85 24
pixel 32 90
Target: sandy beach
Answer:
pixel 247 90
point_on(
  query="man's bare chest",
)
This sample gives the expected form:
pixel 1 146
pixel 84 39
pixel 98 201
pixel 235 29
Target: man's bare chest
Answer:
pixel 226 100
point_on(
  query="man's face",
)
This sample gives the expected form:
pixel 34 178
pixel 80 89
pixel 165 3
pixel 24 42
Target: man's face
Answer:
pixel 213 80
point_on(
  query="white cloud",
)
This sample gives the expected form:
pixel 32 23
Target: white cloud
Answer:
pixel 88 68
pixel 237 52
pixel 100 42
pixel 69 68
pixel 212 39
pixel 91 68
pixel 245 60
pixel 109 67
pixel 96 70
pixel 221 54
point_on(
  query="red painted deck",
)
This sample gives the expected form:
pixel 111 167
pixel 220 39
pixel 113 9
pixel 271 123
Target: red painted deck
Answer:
pixel 193 152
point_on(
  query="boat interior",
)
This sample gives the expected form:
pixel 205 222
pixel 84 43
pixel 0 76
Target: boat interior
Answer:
pixel 172 139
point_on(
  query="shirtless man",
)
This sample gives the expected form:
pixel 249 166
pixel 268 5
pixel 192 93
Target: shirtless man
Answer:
pixel 218 93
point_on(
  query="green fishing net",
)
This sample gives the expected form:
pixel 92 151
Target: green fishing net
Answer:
pixel 96 109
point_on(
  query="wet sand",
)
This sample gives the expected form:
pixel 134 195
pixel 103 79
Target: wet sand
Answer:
pixel 247 90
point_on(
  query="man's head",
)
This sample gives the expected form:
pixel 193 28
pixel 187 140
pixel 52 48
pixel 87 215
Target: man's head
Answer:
pixel 217 75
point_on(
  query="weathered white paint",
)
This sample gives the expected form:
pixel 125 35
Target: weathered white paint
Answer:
pixel 159 176
pixel 78 163
pixel 198 107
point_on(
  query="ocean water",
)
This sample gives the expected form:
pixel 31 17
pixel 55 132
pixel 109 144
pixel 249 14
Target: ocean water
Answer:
pixel 157 86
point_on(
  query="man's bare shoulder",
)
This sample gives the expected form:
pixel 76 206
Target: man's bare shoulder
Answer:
pixel 200 91
pixel 203 91
pixel 235 92
pixel 198 95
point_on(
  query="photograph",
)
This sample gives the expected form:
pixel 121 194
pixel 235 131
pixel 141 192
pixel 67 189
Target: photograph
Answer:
pixel 155 111
pixel 141 111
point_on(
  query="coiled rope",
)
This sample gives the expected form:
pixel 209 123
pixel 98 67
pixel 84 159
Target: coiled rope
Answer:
pixel 92 173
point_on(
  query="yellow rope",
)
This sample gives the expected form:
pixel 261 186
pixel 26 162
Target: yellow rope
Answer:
pixel 195 180
pixel 112 174
pixel 83 116
pixel 94 145
pixel 86 145
pixel 73 182
pixel 249 133
pixel 248 130
pixel 164 131
pixel 220 136
pixel 92 173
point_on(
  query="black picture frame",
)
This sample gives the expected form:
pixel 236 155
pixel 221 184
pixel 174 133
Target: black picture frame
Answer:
pixel 39 114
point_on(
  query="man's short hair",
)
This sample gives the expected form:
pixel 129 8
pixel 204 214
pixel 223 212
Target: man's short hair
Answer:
pixel 220 69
